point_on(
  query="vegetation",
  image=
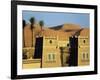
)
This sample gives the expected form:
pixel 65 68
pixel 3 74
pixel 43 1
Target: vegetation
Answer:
pixel 41 24
pixel 32 21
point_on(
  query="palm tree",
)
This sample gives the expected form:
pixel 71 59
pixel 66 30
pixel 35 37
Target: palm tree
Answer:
pixel 32 21
pixel 41 24
pixel 24 24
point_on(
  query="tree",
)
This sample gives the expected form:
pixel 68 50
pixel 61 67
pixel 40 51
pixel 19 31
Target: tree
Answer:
pixel 41 24
pixel 24 24
pixel 32 21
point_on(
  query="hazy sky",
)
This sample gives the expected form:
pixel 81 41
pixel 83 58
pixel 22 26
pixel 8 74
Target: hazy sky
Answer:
pixel 57 18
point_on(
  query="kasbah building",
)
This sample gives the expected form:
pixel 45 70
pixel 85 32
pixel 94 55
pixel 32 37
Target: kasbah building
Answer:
pixel 60 46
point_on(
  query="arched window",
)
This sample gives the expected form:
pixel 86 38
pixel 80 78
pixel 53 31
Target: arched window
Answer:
pixel 84 41
pixel 50 41
pixel 68 45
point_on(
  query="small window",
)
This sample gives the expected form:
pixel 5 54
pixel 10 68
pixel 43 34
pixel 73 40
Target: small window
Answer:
pixel 83 41
pixel 56 47
pixel 83 55
pixel 50 41
pixel 24 56
pixel 67 45
pixel 51 57
pixel 87 56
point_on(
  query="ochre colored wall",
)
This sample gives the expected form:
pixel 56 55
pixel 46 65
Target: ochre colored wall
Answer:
pixel 27 36
pixel 50 49
pixel 83 51
pixel 31 63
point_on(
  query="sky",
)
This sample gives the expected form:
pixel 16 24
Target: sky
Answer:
pixel 58 18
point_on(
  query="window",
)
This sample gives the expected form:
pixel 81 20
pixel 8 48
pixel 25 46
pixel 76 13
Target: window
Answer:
pixel 24 56
pixel 87 56
pixel 84 41
pixel 56 47
pixel 83 56
pixel 51 57
pixel 67 45
pixel 50 41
